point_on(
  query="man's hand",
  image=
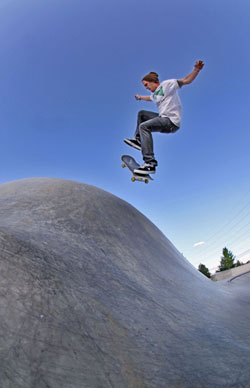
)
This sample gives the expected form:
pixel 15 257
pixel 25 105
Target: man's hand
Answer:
pixel 190 77
pixel 144 98
pixel 199 65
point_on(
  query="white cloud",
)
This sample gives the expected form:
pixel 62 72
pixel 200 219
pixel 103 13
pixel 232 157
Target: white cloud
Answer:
pixel 198 244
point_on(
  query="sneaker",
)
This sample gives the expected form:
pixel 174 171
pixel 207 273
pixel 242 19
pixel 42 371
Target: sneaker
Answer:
pixel 133 143
pixel 145 169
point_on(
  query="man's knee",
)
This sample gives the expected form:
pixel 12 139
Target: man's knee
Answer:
pixel 143 127
pixel 141 113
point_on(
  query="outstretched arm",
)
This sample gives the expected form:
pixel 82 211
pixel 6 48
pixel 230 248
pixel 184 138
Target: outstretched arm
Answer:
pixel 144 98
pixel 191 77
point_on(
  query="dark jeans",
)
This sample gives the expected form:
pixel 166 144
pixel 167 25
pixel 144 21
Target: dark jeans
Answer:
pixel 148 122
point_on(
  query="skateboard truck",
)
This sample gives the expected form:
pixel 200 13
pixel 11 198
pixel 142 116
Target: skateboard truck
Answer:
pixel 130 162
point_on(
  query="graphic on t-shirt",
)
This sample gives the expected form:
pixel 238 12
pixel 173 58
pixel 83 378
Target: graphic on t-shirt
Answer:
pixel 159 92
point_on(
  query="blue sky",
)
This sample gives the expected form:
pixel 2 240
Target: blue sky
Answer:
pixel 69 71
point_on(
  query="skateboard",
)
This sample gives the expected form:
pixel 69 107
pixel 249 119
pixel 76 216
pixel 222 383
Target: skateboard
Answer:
pixel 130 162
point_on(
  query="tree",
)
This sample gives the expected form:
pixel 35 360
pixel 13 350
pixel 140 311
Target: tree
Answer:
pixel 203 269
pixel 227 260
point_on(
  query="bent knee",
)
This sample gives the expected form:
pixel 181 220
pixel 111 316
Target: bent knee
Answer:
pixel 142 113
pixel 143 127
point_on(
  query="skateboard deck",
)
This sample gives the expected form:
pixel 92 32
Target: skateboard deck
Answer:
pixel 130 162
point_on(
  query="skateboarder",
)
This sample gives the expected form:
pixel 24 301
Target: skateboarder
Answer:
pixel 165 95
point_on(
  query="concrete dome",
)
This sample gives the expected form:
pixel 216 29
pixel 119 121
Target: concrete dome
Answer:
pixel 94 295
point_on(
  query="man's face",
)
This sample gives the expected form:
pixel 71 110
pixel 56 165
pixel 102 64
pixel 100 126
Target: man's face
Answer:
pixel 152 86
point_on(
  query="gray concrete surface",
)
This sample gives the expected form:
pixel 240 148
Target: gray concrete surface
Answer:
pixel 93 295
pixel 230 273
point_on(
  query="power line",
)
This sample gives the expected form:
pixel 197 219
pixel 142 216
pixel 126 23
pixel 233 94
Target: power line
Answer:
pixel 226 233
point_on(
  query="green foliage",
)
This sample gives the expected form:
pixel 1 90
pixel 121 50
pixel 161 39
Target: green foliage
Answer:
pixel 227 260
pixel 238 263
pixel 203 269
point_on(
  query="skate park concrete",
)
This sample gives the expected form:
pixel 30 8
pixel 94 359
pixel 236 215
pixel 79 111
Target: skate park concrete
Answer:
pixel 93 295
pixel 231 273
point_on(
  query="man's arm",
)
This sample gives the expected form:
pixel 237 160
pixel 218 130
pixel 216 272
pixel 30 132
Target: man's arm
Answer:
pixel 144 98
pixel 191 77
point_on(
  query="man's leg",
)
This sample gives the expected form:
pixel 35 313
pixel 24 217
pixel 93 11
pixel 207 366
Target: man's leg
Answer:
pixel 157 124
pixel 143 115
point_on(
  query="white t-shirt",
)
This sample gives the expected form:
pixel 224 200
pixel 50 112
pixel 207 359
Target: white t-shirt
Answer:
pixel 168 101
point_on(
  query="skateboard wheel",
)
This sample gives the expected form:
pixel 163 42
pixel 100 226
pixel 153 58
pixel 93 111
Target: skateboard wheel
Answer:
pixel 133 179
pixel 146 180
pixel 123 165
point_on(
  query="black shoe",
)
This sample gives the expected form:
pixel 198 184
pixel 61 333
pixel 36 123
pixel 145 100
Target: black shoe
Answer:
pixel 145 169
pixel 133 143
